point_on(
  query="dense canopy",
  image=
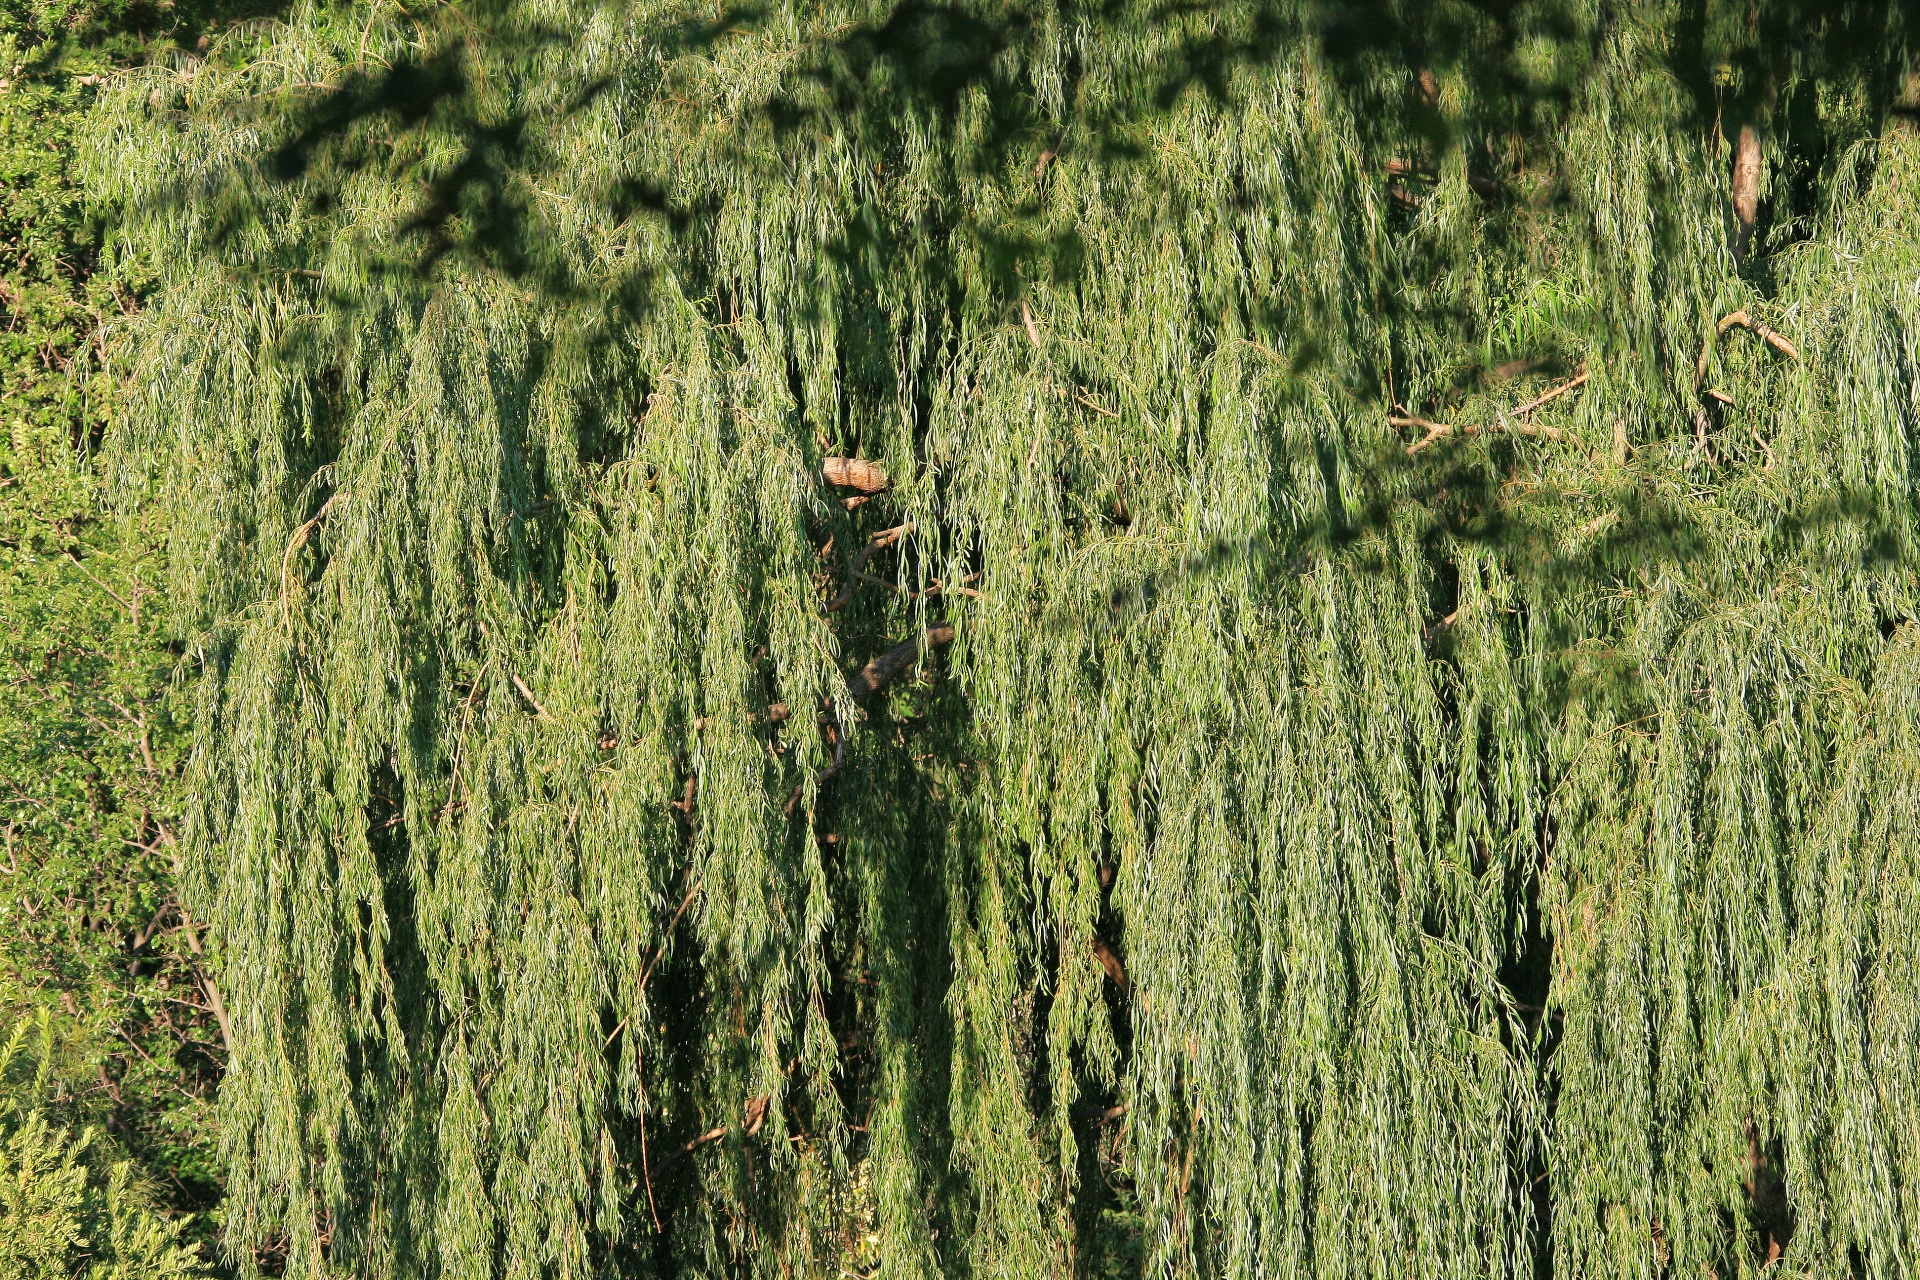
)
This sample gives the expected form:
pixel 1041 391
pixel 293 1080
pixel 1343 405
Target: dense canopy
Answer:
pixel 1033 638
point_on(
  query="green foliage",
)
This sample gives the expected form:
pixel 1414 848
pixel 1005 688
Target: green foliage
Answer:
pixel 89 752
pixel 63 1212
pixel 1315 854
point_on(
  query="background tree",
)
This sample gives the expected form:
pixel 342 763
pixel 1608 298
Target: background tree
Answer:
pixel 1018 638
pixel 91 939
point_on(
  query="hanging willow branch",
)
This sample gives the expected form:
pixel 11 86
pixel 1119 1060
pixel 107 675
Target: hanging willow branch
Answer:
pixel 299 540
pixel 1340 829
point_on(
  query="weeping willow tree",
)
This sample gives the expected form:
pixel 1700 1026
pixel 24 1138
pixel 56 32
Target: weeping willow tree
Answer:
pixel 1027 638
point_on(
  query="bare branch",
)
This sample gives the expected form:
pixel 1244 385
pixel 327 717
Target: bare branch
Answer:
pixel 1437 431
pixel 873 677
pixel 881 541
pixel 1086 400
pixel 646 1168
pixel 711 1135
pixel 216 1006
pixel 1771 337
pixel 1578 380
pixel 837 738
pixel 1033 330
pixel 756 1117
pixel 144 936
pixel 666 935
pixel 78 563
pixel 866 682
pixel 1747 162
pixel 527 693
pixel 519 684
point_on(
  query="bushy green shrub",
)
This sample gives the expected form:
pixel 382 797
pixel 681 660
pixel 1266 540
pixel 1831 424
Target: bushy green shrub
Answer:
pixel 67 1210
pixel 90 937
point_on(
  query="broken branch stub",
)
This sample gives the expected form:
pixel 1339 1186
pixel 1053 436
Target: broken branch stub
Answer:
pixel 854 473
